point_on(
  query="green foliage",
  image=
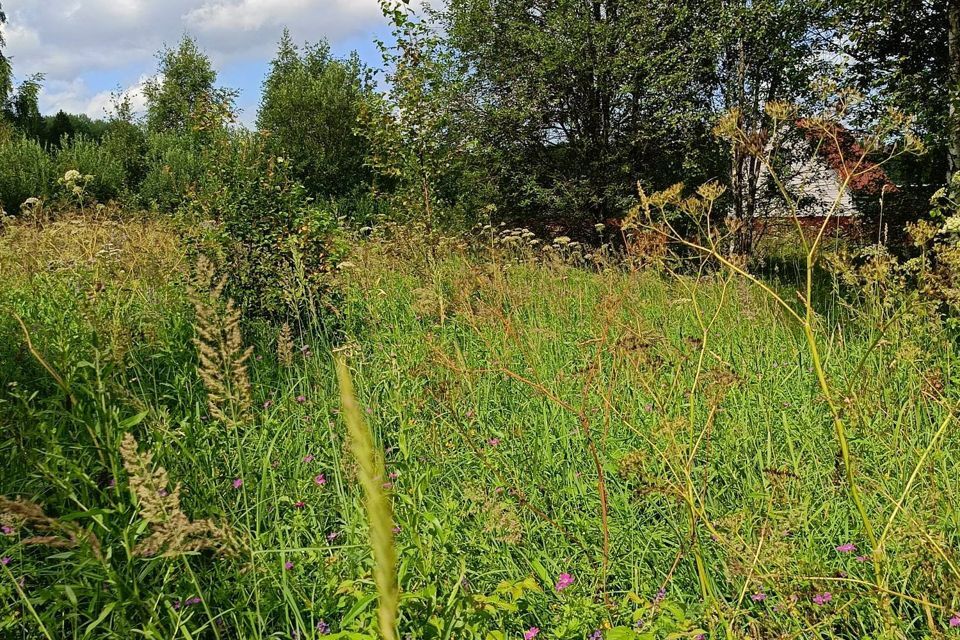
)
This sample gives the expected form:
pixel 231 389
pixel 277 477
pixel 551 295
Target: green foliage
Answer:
pixel 92 158
pixel 173 165
pixel 26 171
pixel 277 246
pixel 185 98
pixel 309 108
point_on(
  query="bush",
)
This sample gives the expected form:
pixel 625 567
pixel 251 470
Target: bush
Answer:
pixel 278 246
pixel 92 158
pixel 174 164
pixel 26 171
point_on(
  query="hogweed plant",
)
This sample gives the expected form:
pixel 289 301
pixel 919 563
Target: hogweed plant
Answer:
pixel 692 223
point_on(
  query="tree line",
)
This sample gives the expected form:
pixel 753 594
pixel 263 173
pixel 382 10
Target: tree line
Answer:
pixel 543 109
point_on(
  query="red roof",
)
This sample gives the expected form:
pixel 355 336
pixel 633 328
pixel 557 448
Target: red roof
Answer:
pixel 845 156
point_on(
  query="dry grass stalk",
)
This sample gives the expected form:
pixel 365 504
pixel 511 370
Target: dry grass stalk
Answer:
pixel 285 345
pixel 379 511
pixel 171 531
pixel 219 344
pixel 23 514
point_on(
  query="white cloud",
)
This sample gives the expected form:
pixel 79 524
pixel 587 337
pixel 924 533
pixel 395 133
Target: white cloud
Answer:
pixel 108 42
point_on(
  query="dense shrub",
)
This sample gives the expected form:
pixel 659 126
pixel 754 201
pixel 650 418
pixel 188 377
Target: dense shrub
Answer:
pixel 26 171
pixel 89 157
pixel 173 166
pixel 277 245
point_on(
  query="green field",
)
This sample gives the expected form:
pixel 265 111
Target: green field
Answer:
pixel 659 437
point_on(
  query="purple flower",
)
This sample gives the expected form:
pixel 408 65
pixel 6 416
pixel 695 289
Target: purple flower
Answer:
pixel 955 621
pixel 320 479
pixel 7 531
pixel 288 565
pixel 564 581
pixel 847 547
pixel 299 504
pixel 323 628
pixel 596 635
pixel 5 560
pixel 308 458
pixel 531 633
pixel 237 483
pixel 661 594
pixel 301 399
pixel 332 536
pixel 759 596
pixel 823 598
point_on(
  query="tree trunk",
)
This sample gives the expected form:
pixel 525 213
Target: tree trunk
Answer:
pixel 953 121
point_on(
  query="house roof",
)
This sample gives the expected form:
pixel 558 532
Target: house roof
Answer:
pixel 846 157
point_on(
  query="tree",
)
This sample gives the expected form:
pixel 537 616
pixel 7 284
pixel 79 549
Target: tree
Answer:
pixel 6 72
pixel 184 97
pixel 58 127
pixel 901 54
pixel 309 109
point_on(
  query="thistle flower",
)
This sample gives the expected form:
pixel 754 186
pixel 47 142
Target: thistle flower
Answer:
pixel 564 581
pixel 955 621
pixel 531 633
pixel 320 479
pixel 288 565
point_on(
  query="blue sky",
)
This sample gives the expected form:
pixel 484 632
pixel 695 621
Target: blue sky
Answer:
pixel 88 48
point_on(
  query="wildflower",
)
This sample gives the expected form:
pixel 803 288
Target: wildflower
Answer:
pixel 308 458
pixel 397 529
pixel 320 479
pixel 823 598
pixel 955 620
pixel 661 594
pixel 288 565
pixel 163 493
pixel 388 485
pixel 7 531
pixel 237 483
pixel 470 414
pixel 332 536
pixel 301 399
pixel 267 404
pixel 564 581
pixel 323 628
pixel 861 558
pixel 531 633
pixel 394 475
pixel 299 504
pixel 846 547
pixel 760 596
pixel 493 442
pixel 5 560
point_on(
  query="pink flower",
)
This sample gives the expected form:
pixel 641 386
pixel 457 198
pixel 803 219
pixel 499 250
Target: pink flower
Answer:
pixel 288 565
pixel 237 483
pixel 332 536
pixel 5 560
pixel 299 504
pixel 564 581
pixel 7 531
pixel 847 547
pixel 267 404
pixel 163 493
pixel 308 458
pixel 823 598
pixel 955 621
pixel 320 479
pixel 301 399
pixel 760 596
pixel 861 558
pixel 397 529
pixel 531 633
pixel 394 475
pixel 388 485
pixel 493 442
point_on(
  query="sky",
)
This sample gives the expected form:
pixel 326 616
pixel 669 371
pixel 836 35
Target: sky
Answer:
pixel 87 49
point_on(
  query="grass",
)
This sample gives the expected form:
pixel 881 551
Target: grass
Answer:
pixel 661 438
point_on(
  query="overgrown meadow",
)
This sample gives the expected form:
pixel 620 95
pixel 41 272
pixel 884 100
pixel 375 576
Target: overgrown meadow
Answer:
pixel 569 450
